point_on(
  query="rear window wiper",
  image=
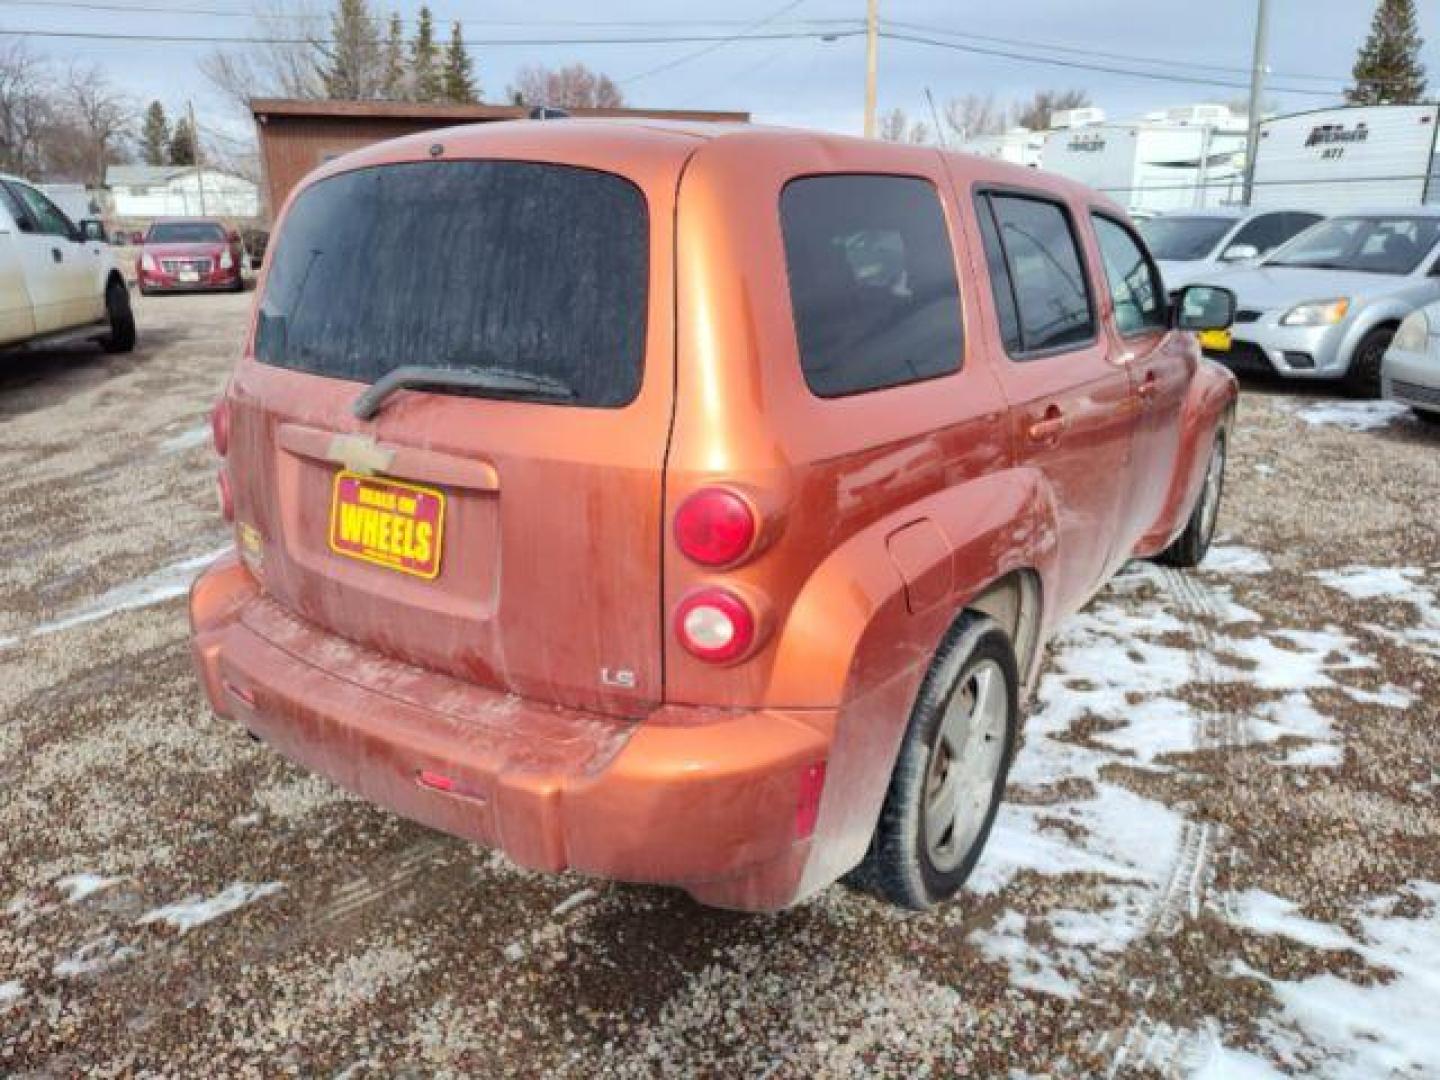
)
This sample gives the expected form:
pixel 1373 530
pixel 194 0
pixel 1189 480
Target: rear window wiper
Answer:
pixel 492 380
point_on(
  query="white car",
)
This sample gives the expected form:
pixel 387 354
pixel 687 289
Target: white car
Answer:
pixel 1410 372
pixel 58 280
pixel 1192 245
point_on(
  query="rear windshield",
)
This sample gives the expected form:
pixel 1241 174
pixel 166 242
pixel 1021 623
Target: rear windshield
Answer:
pixel 490 266
pixel 185 232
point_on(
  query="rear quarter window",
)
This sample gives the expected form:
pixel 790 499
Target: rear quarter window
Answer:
pixel 872 282
pixel 502 266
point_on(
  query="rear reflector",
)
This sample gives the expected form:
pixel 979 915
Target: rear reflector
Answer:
pixel 807 808
pixel 715 625
pixel 220 426
pixel 435 781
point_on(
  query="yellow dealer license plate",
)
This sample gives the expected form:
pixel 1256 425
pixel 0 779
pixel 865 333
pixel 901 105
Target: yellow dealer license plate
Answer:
pixel 391 524
pixel 1215 340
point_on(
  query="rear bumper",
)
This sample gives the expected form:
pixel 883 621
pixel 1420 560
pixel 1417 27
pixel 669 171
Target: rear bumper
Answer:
pixel 710 800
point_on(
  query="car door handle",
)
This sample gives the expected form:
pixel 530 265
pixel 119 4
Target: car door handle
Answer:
pixel 57 254
pixel 1050 428
pixel 1148 386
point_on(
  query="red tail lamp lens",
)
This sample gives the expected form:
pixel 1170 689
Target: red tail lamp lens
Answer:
pixel 220 426
pixel 715 625
pixel 714 527
pixel 224 495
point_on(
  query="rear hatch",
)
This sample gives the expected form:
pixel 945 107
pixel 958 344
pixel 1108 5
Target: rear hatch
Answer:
pixel 497 516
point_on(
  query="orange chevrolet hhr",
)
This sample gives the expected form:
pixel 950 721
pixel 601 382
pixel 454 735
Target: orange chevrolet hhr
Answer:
pixel 692 504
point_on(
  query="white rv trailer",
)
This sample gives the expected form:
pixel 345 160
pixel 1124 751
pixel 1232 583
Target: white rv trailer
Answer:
pixel 1372 157
pixel 1176 160
pixel 1018 145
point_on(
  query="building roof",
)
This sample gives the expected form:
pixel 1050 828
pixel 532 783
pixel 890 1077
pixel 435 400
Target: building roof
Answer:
pixel 142 175
pixel 265 108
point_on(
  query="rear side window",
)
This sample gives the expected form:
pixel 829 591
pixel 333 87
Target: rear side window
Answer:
pixel 494 266
pixel 872 282
pixel 1043 281
pixel 1134 284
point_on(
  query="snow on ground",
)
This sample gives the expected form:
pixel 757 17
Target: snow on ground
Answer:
pixel 94 957
pixel 164 584
pixel 1352 415
pixel 1335 1028
pixel 1115 694
pixel 1225 559
pixel 1402 584
pixel 78 886
pixel 195 911
pixel 10 992
pixel 185 440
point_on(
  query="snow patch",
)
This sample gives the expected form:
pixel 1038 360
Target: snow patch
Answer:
pixel 1235 559
pixel 187 439
pixel 197 910
pixel 1352 415
pixel 10 993
pixel 94 957
pixel 1400 584
pixel 79 886
pixel 164 584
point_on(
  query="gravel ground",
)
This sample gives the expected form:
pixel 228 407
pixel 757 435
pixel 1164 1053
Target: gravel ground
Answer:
pixel 1216 857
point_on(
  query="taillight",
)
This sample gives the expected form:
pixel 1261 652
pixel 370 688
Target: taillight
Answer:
pixel 224 495
pixel 715 527
pixel 715 625
pixel 220 426
pixel 807 806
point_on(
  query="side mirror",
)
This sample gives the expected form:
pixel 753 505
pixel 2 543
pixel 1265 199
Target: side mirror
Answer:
pixel 1204 307
pixel 1240 252
pixel 92 229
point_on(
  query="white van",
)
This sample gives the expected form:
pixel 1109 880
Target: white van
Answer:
pixel 58 280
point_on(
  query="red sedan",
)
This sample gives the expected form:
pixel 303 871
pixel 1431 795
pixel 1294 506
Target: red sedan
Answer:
pixel 190 254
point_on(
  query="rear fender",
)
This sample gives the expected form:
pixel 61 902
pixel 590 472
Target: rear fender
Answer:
pixel 853 638
pixel 1212 396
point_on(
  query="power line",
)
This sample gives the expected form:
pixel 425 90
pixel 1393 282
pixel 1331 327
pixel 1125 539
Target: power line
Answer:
pixel 783 9
pixel 212 39
pixel 1156 76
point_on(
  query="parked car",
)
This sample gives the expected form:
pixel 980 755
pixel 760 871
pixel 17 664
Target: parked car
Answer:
pixel 58 280
pixel 1410 372
pixel 638 500
pixel 1326 305
pixel 1193 245
pixel 191 254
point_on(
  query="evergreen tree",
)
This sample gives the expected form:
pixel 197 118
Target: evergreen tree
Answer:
pixel 1387 68
pixel 458 76
pixel 155 135
pixel 182 143
pixel 353 68
pixel 425 60
pixel 396 86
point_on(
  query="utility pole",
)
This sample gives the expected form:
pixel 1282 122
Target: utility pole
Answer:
pixel 199 161
pixel 1257 93
pixel 872 42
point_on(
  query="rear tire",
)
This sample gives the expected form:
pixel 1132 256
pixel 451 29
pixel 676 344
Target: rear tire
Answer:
pixel 1191 546
pixel 1362 380
pixel 1429 416
pixel 121 338
pixel 950 773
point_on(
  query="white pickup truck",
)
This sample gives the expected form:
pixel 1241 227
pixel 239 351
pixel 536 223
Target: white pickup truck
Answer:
pixel 58 280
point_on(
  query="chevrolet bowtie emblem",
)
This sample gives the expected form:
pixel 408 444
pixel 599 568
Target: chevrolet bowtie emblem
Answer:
pixel 359 454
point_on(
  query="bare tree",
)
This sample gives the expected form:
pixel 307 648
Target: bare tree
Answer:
pixel 1036 113
pixel 26 110
pixel 974 116
pixel 572 87
pixel 100 113
pixel 896 126
pixel 289 68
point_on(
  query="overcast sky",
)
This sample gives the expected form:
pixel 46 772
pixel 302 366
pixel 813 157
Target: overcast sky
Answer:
pixel 809 81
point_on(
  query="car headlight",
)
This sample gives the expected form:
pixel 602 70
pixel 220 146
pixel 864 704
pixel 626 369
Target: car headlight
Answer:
pixel 226 262
pixel 1414 333
pixel 1316 313
pixel 148 262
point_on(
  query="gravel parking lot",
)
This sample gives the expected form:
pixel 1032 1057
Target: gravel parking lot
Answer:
pixel 1220 855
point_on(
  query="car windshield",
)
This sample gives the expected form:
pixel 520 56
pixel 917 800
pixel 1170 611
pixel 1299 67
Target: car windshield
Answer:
pixel 1376 245
pixel 524 279
pixel 1183 239
pixel 185 232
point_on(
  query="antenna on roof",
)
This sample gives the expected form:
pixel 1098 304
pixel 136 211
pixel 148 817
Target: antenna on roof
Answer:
pixel 545 112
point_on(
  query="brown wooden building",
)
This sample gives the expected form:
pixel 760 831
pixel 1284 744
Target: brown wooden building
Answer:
pixel 297 136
